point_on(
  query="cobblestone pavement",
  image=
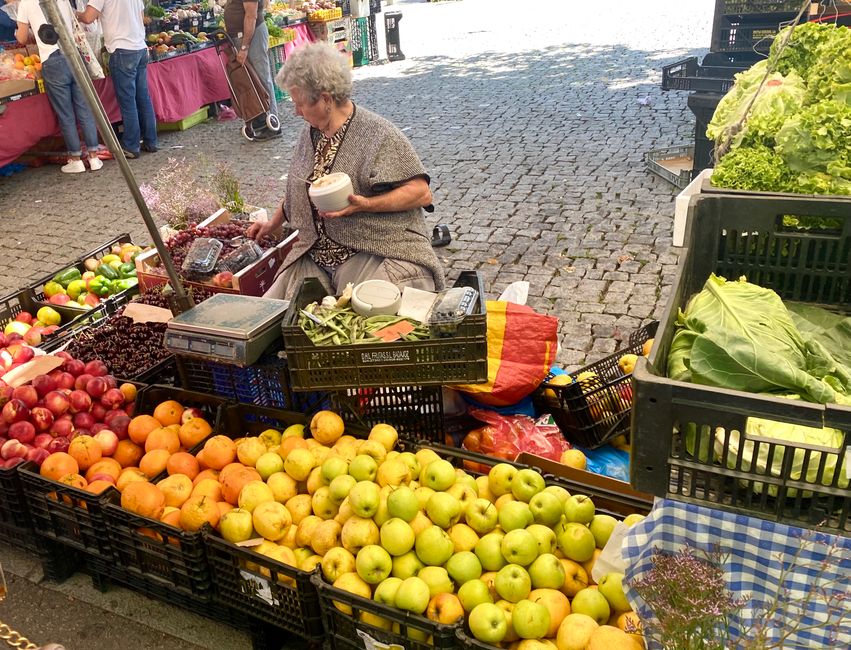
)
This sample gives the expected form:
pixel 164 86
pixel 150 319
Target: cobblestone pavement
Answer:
pixel 530 124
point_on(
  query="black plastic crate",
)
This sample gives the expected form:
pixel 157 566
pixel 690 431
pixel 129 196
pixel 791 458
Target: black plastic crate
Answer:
pixel 461 358
pixel 703 106
pixel 263 588
pixel 750 7
pixel 64 514
pixel 665 162
pixel 238 420
pixel 751 236
pixel 414 632
pixel 210 405
pixel 736 34
pixel 593 411
pixel 15 526
pixel 156 554
pixel 689 75
pixel 58 562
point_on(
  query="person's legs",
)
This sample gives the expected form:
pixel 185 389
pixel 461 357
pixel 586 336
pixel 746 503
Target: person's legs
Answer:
pixel 122 68
pixel 365 266
pixel 144 105
pixel 85 118
pixel 258 54
pixel 57 84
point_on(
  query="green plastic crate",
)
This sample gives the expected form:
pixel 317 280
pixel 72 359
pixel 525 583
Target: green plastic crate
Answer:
pixel 201 115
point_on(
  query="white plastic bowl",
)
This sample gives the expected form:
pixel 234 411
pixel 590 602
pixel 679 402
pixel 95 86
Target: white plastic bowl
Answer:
pixel 331 193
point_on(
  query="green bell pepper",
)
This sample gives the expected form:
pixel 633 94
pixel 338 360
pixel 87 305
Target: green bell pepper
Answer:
pixel 67 276
pixel 100 286
pixel 107 271
pixel 127 270
pixel 124 284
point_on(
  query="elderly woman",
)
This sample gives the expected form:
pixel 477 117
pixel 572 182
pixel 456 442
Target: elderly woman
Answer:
pixel 382 233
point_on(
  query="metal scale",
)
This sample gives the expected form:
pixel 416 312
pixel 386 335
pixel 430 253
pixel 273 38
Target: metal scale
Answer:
pixel 227 327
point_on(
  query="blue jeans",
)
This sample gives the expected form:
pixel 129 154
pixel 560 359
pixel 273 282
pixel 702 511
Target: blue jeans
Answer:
pixel 69 104
pixel 129 72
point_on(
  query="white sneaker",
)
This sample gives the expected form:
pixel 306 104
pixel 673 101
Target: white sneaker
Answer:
pixel 95 163
pixel 74 167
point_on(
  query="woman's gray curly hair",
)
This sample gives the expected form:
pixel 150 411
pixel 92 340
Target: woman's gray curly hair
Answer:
pixel 317 68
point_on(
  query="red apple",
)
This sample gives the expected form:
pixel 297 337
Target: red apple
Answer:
pixel 37 455
pixel 25 317
pixel 42 418
pixel 113 398
pixel 63 355
pixel 190 413
pixel 107 440
pixel 23 354
pixel 27 394
pixel 13 449
pixel 80 401
pixel 81 381
pixel 13 337
pixel 91 299
pixel 65 381
pixel 22 431
pixel 74 366
pixel 83 420
pixel 4 427
pixel 57 402
pixel 10 463
pixel 15 411
pixel 111 381
pixel 59 299
pixel 119 424
pixel 96 386
pixel 96 368
pixel 99 411
pixel 130 409
pixel 2 340
pixel 42 440
pixel 58 444
pixel 43 384
pixel 33 336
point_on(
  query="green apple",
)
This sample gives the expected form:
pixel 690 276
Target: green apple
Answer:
pixel 423 494
pixel 382 515
pixel 489 551
pixel 411 461
pixel 406 566
pixel 576 542
pixel 546 508
pixel 519 546
pixel 546 572
pixel 463 567
pixel 268 464
pixel 271 438
pixel 575 632
pixel 397 537
pixel 464 493
pixel 514 515
pixel 373 564
pixel 463 537
pixel 579 508
pixel 385 591
pixel 513 583
pixel 487 623
pixel 333 467
pixel 437 579
pixel 363 468
pixel 359 532
pixel 482 516
pixel 438 475
pixel 592 603
pixel 611 586
pixel 601 528
pixel 365 498
pixel 562 494
pixel 500 478
pixel 530 620
pixel 545 537
pixel 284 487
pixel 434 546
pixel 253 494
pixel 413 595
pixel 463 478
pixel 443 509
pixel 337 562
pixel 323 504
pixel 402 503
pixel 526 484
pixel 236 525
pixel 633 519
pixel 340 487
pixel 296 430
pixel 472 593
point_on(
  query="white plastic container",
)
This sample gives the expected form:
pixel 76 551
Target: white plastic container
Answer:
pixel 331 193
pixel 681 206
pixel 376 297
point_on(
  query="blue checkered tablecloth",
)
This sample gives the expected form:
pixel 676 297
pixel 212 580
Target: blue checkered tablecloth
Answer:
pixel 755 552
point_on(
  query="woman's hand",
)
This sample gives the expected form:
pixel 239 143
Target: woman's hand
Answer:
pixel 260 229
pixel 357 203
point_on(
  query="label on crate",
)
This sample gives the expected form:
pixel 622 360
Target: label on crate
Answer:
pixel 390 356
pixel 848 463
pixel 261 587
pixel 371 644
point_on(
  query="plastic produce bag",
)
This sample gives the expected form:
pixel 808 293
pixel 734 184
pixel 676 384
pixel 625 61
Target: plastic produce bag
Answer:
pixel 608 461
pixel 505 436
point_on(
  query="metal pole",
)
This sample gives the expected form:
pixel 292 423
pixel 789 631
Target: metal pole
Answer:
pixel 183 301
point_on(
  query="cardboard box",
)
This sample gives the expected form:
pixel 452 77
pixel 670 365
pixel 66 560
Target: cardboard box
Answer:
pixel 253 280
pixel 608 493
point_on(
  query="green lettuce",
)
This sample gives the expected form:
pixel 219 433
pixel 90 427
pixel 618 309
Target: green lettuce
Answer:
pixel 752 168
pixel 802 50
pixel 818 139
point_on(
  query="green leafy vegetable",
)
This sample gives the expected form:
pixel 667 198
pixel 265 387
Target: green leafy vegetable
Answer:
pixel 818 139
pixel 749 168
pixel 802 50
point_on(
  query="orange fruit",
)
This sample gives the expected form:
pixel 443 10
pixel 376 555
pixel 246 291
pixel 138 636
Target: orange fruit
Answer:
pixel 130 475
pixel 235 481
pixel 74 480
pixel 144 499
pixel 58 465
pixel 288 444
pixel 85 450
pixel 194 432
pixel 229 469
pixel 162 439
pixel 129 391
pixel 204 474
pixel 128 453
pixel 172 518
pixel 219 451
pixel 140 426
pixel 168 412
pixel 183 463
pixel 176 488
pixel 154 462
pixel 96 487
pixel 209 488
pixel 108 466
pixel 197 511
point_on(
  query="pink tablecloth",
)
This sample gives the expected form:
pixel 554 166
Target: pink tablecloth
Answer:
pixel 178 86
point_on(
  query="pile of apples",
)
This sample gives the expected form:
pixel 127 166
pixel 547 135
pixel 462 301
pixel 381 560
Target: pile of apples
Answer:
pixel 138 449
pixel 46 415
pixel 31 329
pixel 507 554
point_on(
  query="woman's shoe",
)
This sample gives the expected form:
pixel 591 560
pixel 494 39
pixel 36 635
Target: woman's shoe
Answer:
pixel 74 167
pixel 95 163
